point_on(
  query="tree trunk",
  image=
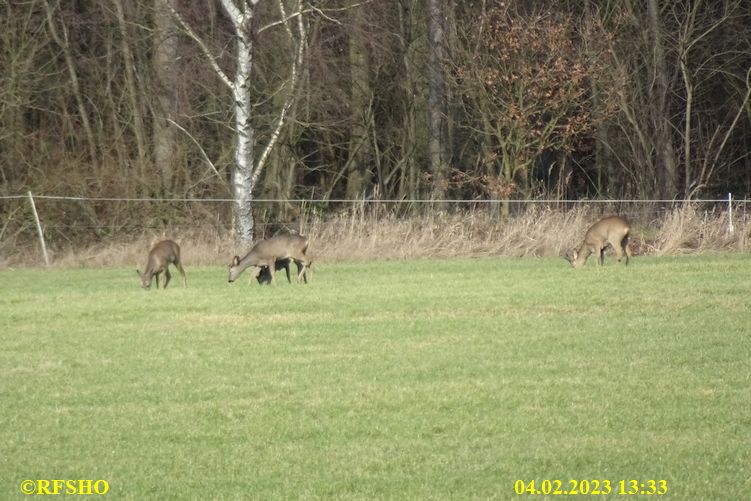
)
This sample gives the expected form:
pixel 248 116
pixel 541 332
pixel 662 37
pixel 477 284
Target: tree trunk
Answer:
pixel 437 99
pixel 63 43
pixel 242 176
pixel 358 172
pixel 414 120
pixel 133 92
pixel 165 81
pixel 667 167
pixel 247 169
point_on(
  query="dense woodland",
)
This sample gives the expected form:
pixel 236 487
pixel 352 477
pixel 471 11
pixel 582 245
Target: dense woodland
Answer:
pixel 376 99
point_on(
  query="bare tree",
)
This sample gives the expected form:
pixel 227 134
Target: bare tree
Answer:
pixel 679 107
pixel 413 101
pixel 668 170
pixel 135 91
pixel 165 71
pixel 60 36
pixel 526 82
pixel 437 109
pixel 361 106
pixel 248 166
pixel 706 134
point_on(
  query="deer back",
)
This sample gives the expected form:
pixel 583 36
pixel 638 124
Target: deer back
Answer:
pixel 162 254
pixel 609 229
pixel 282 247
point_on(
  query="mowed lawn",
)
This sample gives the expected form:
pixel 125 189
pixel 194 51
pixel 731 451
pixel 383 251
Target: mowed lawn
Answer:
pixel 427 379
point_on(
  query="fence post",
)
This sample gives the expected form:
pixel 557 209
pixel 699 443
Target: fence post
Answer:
pixel 731 229
pixel 39 231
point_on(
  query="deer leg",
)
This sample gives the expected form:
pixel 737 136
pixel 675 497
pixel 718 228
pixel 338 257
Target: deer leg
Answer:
pixel 263 277
pixel 156 279
pixel 286 269
pixel 182 272
pixel 626 248
pixel 255 273
pixel 618 251
pixel 601 256
pixel 301 270
pixel 258 274
pixel 272 267
pixel 167 277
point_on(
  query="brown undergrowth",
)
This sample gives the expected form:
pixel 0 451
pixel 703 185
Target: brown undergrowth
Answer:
pixel 366 234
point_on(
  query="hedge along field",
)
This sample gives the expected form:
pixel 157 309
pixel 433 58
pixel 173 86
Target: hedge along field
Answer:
pixel 421 379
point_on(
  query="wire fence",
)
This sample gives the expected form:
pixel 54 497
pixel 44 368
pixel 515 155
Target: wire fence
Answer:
pixel 728 199
pixel 37 219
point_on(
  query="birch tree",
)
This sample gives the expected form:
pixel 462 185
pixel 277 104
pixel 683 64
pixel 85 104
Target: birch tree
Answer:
pixel 250 159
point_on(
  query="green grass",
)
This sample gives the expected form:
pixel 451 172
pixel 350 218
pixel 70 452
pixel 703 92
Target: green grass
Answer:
pixel 430 379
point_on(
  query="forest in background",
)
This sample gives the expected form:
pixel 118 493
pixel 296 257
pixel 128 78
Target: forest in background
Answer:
pixel 379 99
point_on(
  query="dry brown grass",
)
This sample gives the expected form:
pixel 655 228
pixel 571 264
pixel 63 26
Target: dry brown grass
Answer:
pixel 691 230
pixel 365 234
pixel 441 234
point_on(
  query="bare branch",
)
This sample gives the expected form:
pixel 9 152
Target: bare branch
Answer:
pixel 235 15
pixel 204 48
pixel 285 18
pixel 203 152
pixel 707 171
pixel 64 44
pixel 294 77
pixel 318 10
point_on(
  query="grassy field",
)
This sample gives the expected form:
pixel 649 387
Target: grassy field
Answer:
pixel 425 379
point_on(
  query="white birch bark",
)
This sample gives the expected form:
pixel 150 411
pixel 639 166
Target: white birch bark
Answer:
pixel 242 176
pixel 247 169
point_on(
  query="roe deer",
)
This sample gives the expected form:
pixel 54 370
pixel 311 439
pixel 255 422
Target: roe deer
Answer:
pixel 161 256
pixel 270 254
pixel 613 230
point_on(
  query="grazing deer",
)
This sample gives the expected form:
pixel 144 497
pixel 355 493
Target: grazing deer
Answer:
pixel 274 253
pixel 613 230
pixel 161 256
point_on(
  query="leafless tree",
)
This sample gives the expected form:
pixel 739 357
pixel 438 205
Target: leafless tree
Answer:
pixel 248 164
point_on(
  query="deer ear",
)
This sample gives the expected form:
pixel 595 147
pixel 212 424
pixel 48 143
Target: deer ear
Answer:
pixel 235 260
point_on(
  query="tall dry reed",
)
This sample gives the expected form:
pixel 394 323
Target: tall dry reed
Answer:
pixel 364 233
